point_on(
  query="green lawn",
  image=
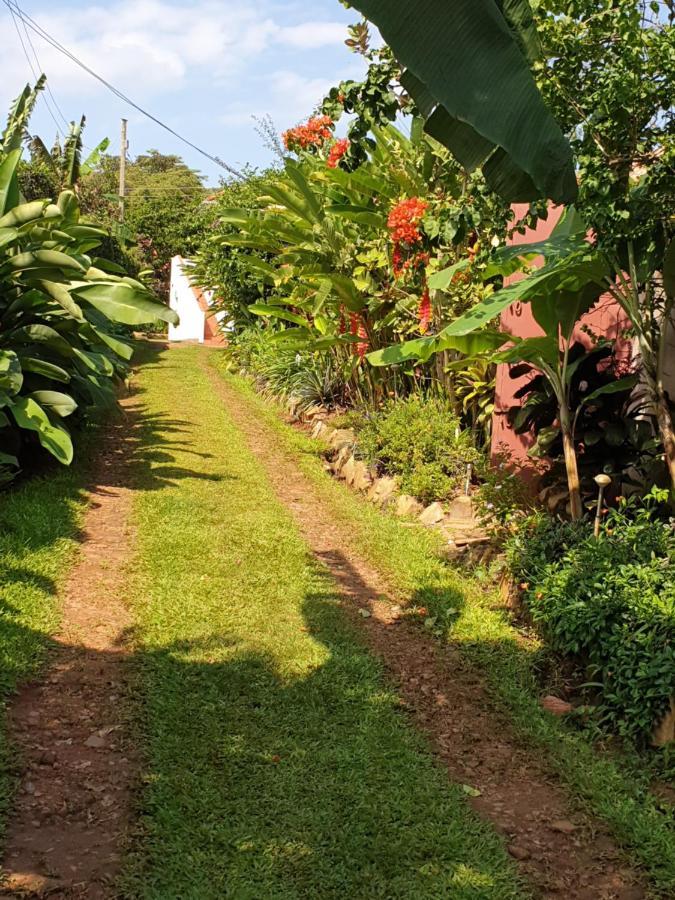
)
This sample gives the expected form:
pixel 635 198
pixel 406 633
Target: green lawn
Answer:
pixel 39 523
pixel 614 790
pixel 278 764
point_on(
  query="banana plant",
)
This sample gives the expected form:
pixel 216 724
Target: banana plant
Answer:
pixel 58 305
pixel 64 161
pixel 576 273
pixel 467 66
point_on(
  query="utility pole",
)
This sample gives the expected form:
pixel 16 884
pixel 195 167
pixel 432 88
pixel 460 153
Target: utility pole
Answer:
pixel 124 145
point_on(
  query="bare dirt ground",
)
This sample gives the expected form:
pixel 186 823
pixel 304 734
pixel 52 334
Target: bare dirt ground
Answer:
pixel 71 813
pixel 562 853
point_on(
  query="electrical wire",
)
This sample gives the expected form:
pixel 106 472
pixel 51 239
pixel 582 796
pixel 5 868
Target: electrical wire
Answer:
pixel 40 69
pixel 31 67
pixel 26 19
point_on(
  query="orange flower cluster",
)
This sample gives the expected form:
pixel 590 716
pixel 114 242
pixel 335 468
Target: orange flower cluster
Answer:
pixel 337 151
pixel 314 133
pixel 404 221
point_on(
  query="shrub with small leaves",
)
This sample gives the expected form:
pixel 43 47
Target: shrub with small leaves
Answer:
pixel 610 604
pixel 422 442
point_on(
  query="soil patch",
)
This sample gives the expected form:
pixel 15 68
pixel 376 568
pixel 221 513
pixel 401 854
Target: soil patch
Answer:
pixel 77 768
pixel 561 852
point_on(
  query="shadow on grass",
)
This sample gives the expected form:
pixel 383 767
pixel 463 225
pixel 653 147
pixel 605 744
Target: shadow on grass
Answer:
pixel 263 784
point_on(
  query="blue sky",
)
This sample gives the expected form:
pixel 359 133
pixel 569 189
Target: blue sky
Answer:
pixel 203 67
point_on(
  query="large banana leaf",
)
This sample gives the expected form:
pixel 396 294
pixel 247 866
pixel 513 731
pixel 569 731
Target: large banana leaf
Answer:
pixel 123 302
pixel 58 354
pixel 563 283
pixel 422 349
pixel 467 69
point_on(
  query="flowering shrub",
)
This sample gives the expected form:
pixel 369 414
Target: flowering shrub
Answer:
pixel 404 224
pixel 313 134
pixel 424 311
pixel 357 327
pixel 404 221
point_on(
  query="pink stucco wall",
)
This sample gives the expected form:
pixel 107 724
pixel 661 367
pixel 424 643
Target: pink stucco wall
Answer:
pixel 605 318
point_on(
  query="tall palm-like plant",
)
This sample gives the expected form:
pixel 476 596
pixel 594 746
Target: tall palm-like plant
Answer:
pixel 64 161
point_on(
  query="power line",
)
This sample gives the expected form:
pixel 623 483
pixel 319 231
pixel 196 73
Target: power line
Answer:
pixel 30 65
pixel 40 69
pixel 26 19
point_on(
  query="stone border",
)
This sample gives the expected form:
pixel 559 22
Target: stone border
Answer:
pixel 456 519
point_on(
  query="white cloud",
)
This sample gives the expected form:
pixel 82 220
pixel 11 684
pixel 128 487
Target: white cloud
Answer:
pixel 312 34
pixel 150 47
pixel 288 98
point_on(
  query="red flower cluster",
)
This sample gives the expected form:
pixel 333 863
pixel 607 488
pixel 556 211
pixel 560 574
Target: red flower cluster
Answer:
pixel 314 133
pixel 424 311
pixel 358 327
pixel 337 151
pixel 404 220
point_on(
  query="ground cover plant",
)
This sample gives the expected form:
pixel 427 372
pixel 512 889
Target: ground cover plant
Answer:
pixel 276 762
pixel 465 609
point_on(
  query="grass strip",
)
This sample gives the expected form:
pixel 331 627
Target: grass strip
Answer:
pixel 471 616
pixel 278 762
pixel 39 524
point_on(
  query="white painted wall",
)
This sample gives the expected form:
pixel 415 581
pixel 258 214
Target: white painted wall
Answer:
pixel 182 298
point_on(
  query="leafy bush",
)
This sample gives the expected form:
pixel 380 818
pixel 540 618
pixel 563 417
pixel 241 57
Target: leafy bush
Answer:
pixel 58 304
pixel 610 603
pixel 421 441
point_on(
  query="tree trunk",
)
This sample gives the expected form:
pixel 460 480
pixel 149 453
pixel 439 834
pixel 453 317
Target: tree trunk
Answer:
pixel 665 421
pixel 574 487
pixel 652 368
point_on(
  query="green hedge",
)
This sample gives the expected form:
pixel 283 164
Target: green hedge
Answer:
pixel 610 603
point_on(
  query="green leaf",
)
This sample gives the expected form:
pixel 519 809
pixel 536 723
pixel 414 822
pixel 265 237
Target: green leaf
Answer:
pixel 125 302
pixel 440 281
pixel 421 349
pixel 297 176
pixel 29 414
pixel 121 348
pixel 62 296
pixel 6 459
pixel 614 387
pixel 11 377
pixel 9 186
pixel 534 350
pixel 94 362
pixel 363 214
pixel 264 309
pixel 44 368
pixel 360 181
pixel 61 404
pixel 560 281
pixel 25 212
pixel 43 334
